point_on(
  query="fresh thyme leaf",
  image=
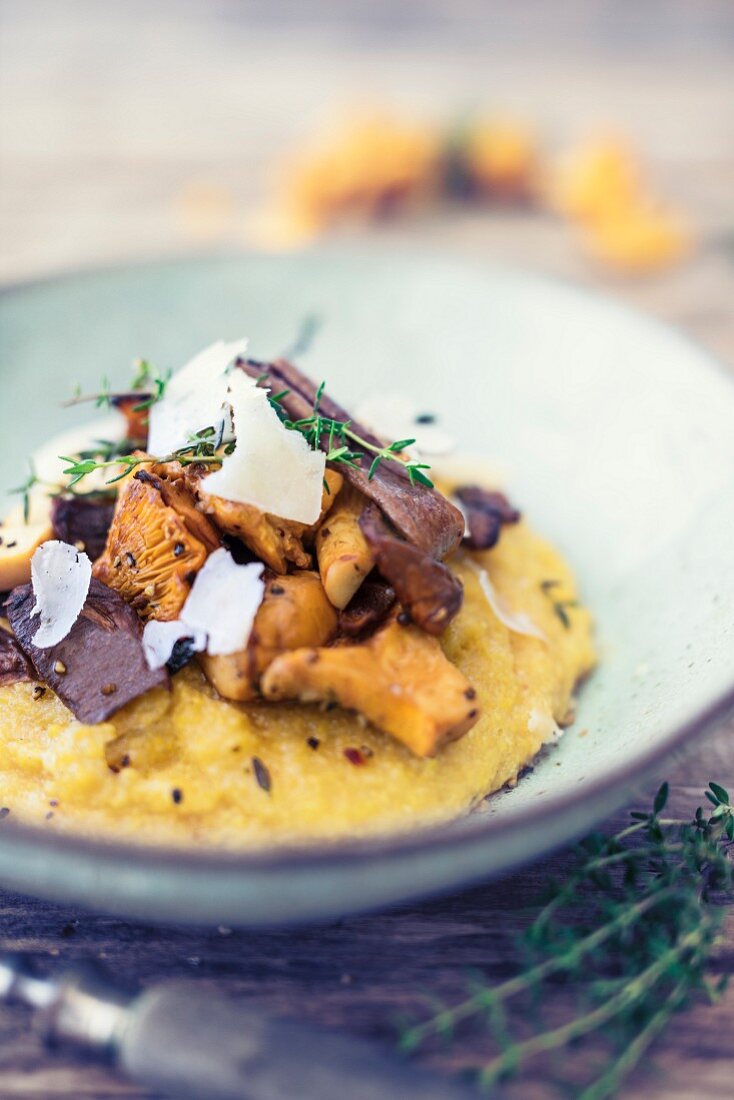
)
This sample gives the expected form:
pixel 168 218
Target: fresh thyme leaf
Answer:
pixel 560 606
pixel 640 952
pixel 661 799
pixel 25 491
pixel 104 397
pixel 415 473
pixel 147 379
pixel 721 795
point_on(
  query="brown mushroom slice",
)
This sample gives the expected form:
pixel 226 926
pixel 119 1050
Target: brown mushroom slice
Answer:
pixel 399 679
pixel 83 521
pixel 294 613
pixel 369 607
pixel 430 593
pixel 100 665
pixel 14 667
pixel 156 545
pixel 421 514
pixel 486 511
pixel 342 551
pixel 277 542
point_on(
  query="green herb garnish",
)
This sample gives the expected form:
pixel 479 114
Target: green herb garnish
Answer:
pixel 25 491
pixel 147 380
pixel 341 439
pixel 203 447
pixel 560 606
pixel 638 953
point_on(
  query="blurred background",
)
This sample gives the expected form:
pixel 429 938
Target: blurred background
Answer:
pixel 592 140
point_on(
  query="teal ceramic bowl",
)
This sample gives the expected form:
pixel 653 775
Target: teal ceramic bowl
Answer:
pixel 615 436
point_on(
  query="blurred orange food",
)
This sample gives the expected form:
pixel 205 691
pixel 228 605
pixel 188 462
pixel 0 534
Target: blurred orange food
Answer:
pixel 641 238
pixel 595 179
pixel 501 159
pixel 369 168
pixel 601 186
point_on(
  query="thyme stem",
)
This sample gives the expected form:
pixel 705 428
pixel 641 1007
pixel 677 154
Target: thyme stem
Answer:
pixel 608 1083
pixel 479 1001
pixel 638 948
pixel 590 1021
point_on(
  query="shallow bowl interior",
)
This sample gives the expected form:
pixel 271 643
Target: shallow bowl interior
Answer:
pixel 614 435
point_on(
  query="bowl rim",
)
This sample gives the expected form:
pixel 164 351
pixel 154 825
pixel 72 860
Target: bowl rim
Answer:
pixel 470 829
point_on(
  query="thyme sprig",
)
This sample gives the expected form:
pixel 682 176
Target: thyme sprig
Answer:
pixel 25 490
pixel 343 445
pixel 341 440
pixel 640 952
pixel 147 380
pixel 203 447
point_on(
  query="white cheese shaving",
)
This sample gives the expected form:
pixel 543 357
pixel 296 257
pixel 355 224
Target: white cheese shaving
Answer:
pixel 60 576
pixel 545 724
pixel 195 398
pixel 271 467
pixel 159 639
pixel 516 621
pixel 393 416
pixel 218 613
pixel 224 601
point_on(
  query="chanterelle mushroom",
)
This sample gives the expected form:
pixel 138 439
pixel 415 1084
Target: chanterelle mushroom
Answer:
pixel 343 555
pixel 294 613
pixel 399 679
pixel 275 541
pixel 157 543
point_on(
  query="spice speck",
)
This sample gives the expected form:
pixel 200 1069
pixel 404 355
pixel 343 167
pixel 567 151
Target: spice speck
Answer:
pixel 262 775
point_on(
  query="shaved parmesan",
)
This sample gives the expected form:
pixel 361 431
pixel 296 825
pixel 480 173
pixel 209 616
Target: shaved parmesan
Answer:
pixel 516 621
pixel 224 601
pixel 543 723
pixel 60 576
pixel 271 467
pixel 218 613
pixel 195 398
pixel 159 639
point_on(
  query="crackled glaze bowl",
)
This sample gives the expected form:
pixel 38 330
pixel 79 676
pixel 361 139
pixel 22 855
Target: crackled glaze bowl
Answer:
pixel 615 434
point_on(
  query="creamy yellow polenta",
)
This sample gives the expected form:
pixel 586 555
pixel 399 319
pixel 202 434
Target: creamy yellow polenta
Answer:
pixel 193 768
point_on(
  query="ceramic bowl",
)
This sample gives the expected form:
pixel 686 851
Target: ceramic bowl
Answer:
pixel 613 432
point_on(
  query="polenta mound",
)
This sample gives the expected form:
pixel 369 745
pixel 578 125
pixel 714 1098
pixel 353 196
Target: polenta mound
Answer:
pixel 189 767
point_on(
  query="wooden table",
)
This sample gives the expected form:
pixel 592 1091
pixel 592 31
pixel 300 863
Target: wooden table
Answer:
pixel 130 107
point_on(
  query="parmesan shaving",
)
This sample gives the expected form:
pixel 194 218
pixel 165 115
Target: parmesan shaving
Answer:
pixel 60 576
pixel 160 638
pixel 218 614
pixel 195 398
pixel 543 723
pixel 271 467
pixel 516 621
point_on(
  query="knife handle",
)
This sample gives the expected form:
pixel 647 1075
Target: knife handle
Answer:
pixel 202 1046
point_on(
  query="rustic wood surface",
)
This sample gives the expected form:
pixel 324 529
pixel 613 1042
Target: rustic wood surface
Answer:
pixel 115 111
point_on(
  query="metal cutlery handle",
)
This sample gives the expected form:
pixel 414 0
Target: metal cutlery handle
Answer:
pixel 200 1045
pixel 193 1044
